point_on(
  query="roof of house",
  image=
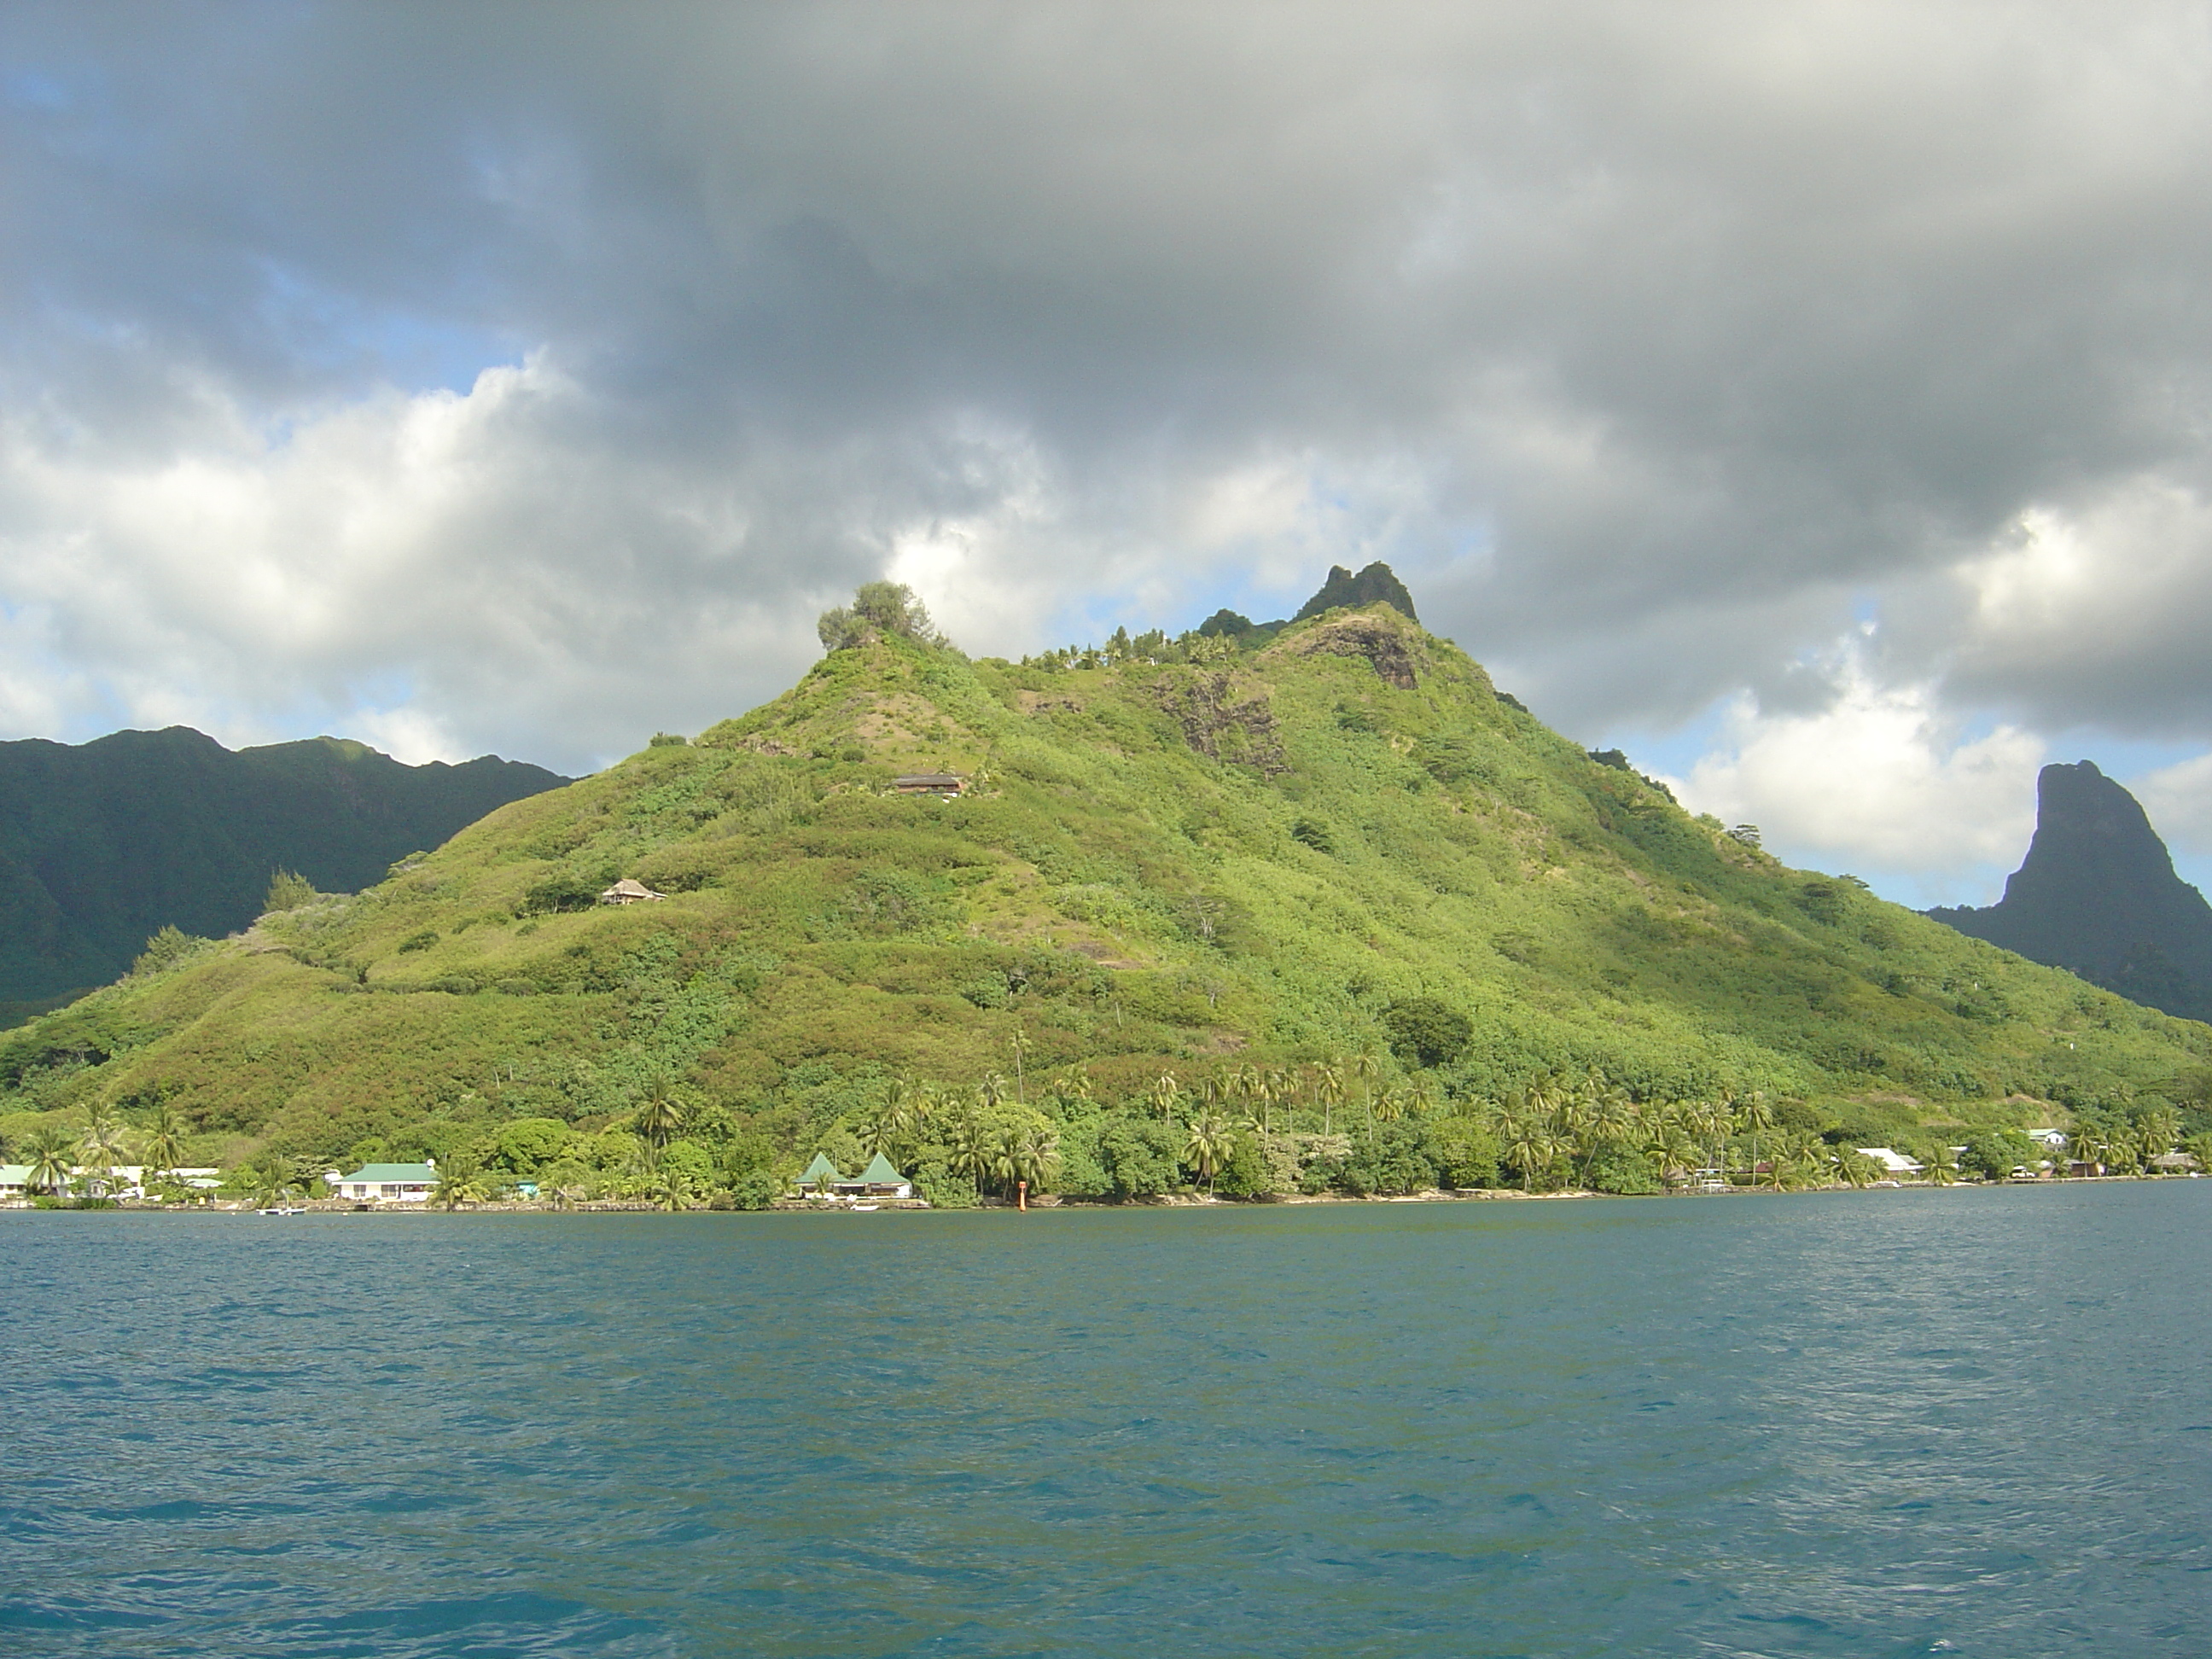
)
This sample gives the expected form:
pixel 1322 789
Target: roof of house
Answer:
pixel 630 888
pixel 14 1175
pixel 879 1173
pixel 822 1166
pixel 399 1173
pixel 1895 1163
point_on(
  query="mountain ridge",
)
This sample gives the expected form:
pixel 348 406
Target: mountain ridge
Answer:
pixel 105 842
pixel 1160 867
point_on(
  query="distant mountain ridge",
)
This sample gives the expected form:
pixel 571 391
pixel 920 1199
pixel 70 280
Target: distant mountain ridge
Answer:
pixel 104 843
pixel 2097 894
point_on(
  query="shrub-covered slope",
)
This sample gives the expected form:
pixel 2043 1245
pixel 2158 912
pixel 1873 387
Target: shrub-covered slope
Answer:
pixel 102 843
pixel 1344 839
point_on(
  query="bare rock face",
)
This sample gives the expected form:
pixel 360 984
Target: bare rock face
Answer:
pixel 1344 591
pixel 1372 634
pixel 2097 894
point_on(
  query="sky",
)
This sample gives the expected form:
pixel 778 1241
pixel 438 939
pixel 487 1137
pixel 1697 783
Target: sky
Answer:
pixel 1813 400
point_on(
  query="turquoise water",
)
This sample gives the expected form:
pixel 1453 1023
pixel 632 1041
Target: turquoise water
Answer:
pixel 1977 1422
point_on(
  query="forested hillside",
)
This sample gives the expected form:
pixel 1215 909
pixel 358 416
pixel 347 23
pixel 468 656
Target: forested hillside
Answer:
pixel 103 843
pixel 1335 877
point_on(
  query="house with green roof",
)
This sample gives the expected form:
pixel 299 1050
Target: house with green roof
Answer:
pixel 386 1184
pixel 878 1180
pixel 881 1179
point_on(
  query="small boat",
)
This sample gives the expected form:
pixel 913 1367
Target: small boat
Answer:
pixel 866 1207
pixel 281 1210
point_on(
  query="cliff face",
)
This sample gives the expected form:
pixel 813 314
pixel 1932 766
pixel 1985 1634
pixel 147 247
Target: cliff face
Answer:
pixel 2097 894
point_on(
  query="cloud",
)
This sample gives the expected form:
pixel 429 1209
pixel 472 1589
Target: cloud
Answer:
pixel 1881 780
pixel 528 377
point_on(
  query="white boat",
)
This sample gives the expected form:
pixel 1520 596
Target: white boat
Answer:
pixel 867 1206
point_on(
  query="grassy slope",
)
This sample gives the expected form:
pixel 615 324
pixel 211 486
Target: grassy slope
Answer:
pixel 1108 890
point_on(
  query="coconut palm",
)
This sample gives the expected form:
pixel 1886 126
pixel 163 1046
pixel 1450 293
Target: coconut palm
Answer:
pixel 1037 1159
pixel 666 1189
pixel 1367 1066
pixel 1529 1144
pixel 973 1151
pixel 1857 1168
pixel 992 1090
pixel 165 1141
pixel 889 1127
pixel 661 1114
pixel 1078 1086
pixel 1328 1089
pixel 1753 1116
pixel 1391 1106
pixel 50 1152
pixel 272 1181
pixel 99 1149
pixel 2157 1129
pixel 1167 1090
pixel 459 1184
pixel 1209 1146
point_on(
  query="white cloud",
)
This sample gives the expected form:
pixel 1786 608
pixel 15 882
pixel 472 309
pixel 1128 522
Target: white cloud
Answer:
pixel 2179 801
pixel 1880 781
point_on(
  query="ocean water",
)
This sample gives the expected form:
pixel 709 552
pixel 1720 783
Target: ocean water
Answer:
pixel 1969 1422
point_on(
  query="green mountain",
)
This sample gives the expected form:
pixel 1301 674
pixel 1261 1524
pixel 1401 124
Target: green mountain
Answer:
pixel 103 843
pixel 1168 872
pixel 2097 894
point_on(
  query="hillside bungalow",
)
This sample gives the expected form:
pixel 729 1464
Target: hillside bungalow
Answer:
pixel 821 1173
pixel 387 1183
pixel 928 783
pixel 627 891
pixel 878 1180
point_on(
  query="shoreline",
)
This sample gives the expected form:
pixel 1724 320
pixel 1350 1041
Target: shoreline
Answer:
pixel 1049 1203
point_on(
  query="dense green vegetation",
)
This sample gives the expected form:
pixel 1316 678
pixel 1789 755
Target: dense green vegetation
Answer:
pixel 104 842
pixel 1319 911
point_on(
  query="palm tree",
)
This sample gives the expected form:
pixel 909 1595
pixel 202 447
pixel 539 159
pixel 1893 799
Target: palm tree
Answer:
pixel 1329 1087
pixel 2158 1129
pixel 1857 1168
pixel 458 1184
pixel 51 1150
pixel 668 1188
pixel 1037 1159
pixel 165 1141
pixel 973 1153
pixel 661 1115
pixel 270 1181
pixel 993 1089
pixel 1167 1090
pixel 1940 1168
pixel 1529 1144
pixel 887 1129
pixel 1753 1116
pixel 1078 1086
pixel 101 1147
pixel 1209 1146
pixel 1367 1066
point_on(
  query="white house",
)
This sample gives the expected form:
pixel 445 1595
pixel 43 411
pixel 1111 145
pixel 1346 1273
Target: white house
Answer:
pixel 15 1181
pixel 1895 1164
pixel 387 1183
pixel 2051 1139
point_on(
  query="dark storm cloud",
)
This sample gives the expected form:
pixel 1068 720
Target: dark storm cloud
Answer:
pixel 1651 343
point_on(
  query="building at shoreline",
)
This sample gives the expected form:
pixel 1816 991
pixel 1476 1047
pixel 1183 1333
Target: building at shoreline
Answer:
pixel 386 1184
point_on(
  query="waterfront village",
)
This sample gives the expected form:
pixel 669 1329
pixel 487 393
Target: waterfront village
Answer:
pixel 54 1182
